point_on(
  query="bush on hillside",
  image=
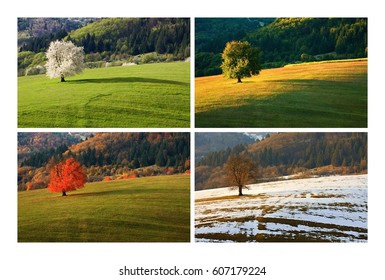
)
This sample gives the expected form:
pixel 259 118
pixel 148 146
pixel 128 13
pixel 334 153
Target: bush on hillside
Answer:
pixel 35 70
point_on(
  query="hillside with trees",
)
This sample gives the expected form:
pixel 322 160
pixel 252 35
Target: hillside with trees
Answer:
pixel 208 142
pixel 290 154
pixel 282 41
pixel 211 36
pixel 133 36
pixel 105 156
pixel 105 40
pixel 32 31
pixel 37 144
pixel 289 40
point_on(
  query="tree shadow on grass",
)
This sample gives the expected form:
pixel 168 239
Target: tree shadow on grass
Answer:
pixel 246 82
pixel 310 103
pixel 127 80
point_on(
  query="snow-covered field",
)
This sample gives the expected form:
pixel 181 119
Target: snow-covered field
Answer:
pixel 327 209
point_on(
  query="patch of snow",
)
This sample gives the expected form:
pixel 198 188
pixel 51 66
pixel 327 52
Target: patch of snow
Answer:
pixel 254 136
pixel 331 204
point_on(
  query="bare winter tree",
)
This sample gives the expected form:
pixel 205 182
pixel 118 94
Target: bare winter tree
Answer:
pixel 240 171
pixel 64 59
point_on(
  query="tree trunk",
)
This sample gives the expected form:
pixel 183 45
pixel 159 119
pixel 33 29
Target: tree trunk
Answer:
pixel 240 190
pixel 239 80
pixel 64 194
pixel 62 78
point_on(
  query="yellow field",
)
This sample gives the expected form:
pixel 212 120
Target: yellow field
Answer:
pixel 302 86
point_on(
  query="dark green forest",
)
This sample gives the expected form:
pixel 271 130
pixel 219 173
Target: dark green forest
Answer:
pixel 316 151
pixel 138 150
pixel 282 41
pixel 133 151
pixel 211 36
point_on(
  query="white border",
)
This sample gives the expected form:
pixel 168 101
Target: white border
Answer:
pixel 102 261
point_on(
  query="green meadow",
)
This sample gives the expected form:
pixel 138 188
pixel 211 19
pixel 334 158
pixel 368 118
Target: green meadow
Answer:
pixel 148 95
pixel 150 209
pixel 327 94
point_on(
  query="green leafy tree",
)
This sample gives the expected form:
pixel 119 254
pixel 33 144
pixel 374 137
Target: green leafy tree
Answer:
pixel 240 59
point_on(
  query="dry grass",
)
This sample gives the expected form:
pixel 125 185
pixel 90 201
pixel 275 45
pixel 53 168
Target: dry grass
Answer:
pixel 304 95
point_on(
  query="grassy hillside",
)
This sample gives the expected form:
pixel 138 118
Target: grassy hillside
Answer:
pixel 111 27
pixel 152 95
pixel 152 209
pixel 308 95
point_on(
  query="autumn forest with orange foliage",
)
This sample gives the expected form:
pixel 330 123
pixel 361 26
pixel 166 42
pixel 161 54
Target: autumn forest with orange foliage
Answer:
pixel 102 156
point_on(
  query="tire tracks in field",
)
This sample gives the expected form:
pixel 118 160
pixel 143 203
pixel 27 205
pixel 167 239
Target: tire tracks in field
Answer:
pixel 84 113
pixel 96 97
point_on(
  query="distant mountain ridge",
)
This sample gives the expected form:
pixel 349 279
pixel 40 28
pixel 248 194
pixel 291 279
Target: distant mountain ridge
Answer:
pixel 33 142
pixel 212 141
pixel 27 28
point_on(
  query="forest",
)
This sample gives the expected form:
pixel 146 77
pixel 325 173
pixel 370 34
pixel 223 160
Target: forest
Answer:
pixel 284 154
pixel 107 156
pixel 211 36
pixel 283 40
pixel 106 39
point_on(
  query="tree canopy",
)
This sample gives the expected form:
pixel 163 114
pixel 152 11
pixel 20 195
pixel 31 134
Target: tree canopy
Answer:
pixel 64 59
pixel 66 176
pixel 240 60
pixel 240 171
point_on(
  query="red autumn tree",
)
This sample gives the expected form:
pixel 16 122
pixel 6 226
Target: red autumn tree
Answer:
pixel 67 176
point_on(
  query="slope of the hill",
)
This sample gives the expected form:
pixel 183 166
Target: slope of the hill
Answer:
pixel 329 209
pixel 147 95
pixel 327 94
pixel 134 149
pixel 287 40
pixel 151 209
pixel 136 36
